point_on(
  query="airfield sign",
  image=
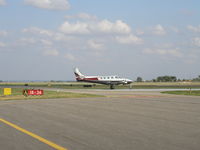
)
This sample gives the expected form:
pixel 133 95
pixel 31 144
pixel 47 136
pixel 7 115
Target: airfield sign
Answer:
pixel 35 92
pixel 7 91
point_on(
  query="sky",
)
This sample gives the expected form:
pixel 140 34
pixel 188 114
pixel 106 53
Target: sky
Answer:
pixel 46 39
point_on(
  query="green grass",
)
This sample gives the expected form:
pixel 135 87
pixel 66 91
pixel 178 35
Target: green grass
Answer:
pixel 192 93
pixel 80 85
pixel 17 94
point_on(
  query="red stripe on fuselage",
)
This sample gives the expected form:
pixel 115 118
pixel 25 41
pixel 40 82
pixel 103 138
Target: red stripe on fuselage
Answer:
pixel 90 79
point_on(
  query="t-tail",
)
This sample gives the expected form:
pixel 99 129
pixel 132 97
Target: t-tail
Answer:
pixel 78 74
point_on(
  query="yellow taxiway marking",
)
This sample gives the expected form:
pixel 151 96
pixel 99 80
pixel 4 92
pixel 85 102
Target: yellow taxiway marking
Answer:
pixel 55 146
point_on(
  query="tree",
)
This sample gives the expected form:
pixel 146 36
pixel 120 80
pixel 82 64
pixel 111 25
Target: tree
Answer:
pixel 166 79
pixel 139 79
pixel 196 79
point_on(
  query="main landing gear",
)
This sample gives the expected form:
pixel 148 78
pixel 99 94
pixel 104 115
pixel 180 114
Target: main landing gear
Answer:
pixel 112 87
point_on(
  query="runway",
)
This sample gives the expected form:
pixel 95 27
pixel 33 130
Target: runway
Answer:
pixel 123 120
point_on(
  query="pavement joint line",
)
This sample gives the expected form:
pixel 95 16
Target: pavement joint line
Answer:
pixel 43 140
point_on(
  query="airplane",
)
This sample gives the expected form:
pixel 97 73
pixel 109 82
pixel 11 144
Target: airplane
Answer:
pixel 107 80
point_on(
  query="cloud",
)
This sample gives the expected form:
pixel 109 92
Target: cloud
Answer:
pixel 28 41
pixel 159 30
pixel 51 52
pixel 130 39
pixel 83 16
pixel 53 35
pixel 104 26
pixel 119 26
pixel 46 43
pixel 175 29
pixel 2 2
pixel 194 29
pixel 3 33
pixel 86 16
pixel 196 41
pixel 2 45
pixel 36 30
pixel 49 4
pixel 139 32
pixel 95 45
pixel 172 52
pixel 70 57
pixel 191 59
pixel 62 37
pixel 75 28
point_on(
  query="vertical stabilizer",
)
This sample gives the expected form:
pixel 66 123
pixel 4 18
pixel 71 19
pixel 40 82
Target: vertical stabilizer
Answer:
pixel 78 74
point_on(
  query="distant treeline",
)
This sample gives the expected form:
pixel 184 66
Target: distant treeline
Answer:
pixel 168 79
pixel 139 79
pixel 196 79
pixel 165 79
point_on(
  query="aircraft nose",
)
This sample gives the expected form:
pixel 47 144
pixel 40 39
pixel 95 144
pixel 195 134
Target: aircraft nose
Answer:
pixel 129 81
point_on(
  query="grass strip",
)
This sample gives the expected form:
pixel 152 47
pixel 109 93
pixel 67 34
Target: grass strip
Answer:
pixel 83 85
pixel 17 95
pixel 191 93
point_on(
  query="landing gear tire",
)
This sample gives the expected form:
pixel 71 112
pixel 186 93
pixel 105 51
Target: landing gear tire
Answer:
pixel 112 87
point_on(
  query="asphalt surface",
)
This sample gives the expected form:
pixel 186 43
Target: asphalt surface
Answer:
pixel 123 120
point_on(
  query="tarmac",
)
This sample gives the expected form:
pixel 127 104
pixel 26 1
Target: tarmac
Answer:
pixel 123 120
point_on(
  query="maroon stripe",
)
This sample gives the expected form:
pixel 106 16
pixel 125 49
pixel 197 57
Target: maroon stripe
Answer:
pixel 88 79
